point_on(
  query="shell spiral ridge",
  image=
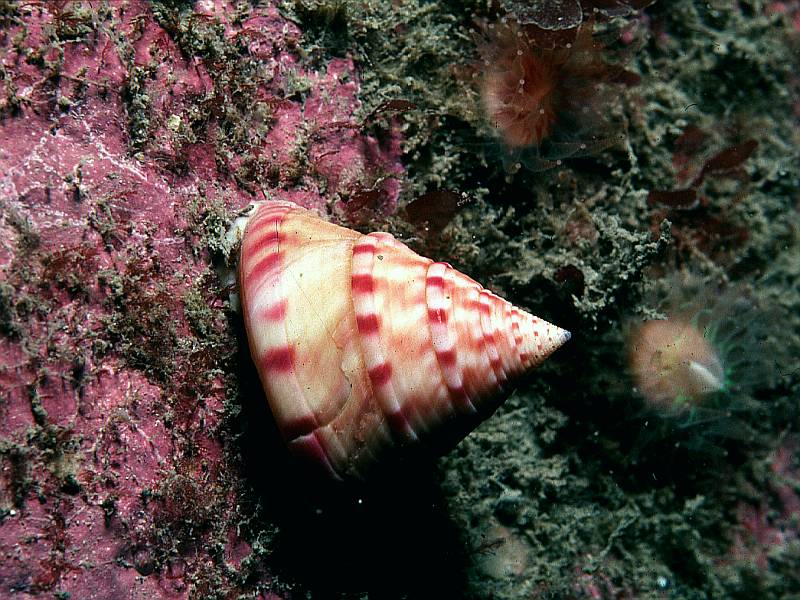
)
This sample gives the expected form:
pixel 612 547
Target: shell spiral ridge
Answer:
pixel 361 344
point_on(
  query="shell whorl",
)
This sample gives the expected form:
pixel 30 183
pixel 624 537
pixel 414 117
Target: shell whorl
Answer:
pixel 361 343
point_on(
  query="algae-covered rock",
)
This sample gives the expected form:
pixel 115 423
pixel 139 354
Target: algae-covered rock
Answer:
pixel 138 457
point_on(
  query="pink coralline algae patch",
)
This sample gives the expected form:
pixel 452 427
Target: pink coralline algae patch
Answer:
pixel 127 137
pixel 597 587
pixel 791 9
pixel 770 527
pixel 344 160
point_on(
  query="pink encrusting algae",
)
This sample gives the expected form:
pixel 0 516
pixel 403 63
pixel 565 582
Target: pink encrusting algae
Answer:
pixel 112 392
pixel 768 528
pixel 362 343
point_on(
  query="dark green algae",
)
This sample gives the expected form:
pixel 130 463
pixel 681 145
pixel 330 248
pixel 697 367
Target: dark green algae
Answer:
pixel 563 493
pixel 554 496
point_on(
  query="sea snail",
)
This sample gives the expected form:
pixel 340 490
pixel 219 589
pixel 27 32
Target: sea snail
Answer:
pixel 363 345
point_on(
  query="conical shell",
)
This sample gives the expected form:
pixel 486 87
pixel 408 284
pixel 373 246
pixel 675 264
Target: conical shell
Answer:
pixel 362 344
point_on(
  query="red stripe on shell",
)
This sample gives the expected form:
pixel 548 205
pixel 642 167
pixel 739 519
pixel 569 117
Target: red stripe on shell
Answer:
pixel 368 324
pixel 472 304
pixel 381 374
pixel 267 220
pixel 299 426
pixel 271 240
pixel 276 312
pixel 437 315
pixel 263 267
pixel 278 359
pixel 435 281
pixel 362 248
pixel 447 357
pixel 363 284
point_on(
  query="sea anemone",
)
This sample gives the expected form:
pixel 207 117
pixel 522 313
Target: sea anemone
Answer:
pixel 702 370
pixel 546 94
pixel 713 351
pixel 673 363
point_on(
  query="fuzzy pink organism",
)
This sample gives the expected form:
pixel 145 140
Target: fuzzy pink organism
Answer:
pixel 672 363
pixel 539 87
pixel 712 352
pixel 518 92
